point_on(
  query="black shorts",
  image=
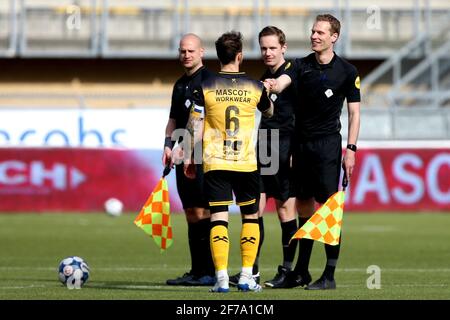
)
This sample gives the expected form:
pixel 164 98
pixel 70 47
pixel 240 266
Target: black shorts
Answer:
pixel 220 185
pixel 281 184
pixel 191 191
pixel 317 166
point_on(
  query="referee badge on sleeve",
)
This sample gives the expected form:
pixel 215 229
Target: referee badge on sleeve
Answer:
pixel 288 65
pixel 273 97
pixel 357 82
pixel 329 93
pixel 198 111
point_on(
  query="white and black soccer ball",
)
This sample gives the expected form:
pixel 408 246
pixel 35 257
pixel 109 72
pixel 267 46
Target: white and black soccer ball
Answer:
pixel 113 207
pixel 73 272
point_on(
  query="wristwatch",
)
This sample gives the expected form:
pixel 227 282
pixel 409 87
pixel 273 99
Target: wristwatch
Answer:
pixel 352 147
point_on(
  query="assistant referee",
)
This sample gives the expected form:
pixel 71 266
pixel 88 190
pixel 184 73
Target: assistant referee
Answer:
pixel 190 190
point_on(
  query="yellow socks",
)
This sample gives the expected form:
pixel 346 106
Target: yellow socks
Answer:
pixel 249 241
pixel 220 244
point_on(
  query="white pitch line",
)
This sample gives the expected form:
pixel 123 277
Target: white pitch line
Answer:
pixel 24 287
pixel 159 268
pixel 383 286
pixel 119 269
pixel 186 288
pixel 389 270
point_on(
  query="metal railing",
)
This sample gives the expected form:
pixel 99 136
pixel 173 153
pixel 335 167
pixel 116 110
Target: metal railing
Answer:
pixel 152 28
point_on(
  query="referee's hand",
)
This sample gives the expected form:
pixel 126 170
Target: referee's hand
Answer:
pixel 189 170
pixel 177 156
pixel 349 163
pixel 167 156
pixel 270 84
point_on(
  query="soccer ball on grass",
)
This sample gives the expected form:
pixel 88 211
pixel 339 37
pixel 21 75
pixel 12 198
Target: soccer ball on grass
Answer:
pixel 113 207
pixel 73 272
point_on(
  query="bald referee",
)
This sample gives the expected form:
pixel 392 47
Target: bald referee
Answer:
pixel 190 190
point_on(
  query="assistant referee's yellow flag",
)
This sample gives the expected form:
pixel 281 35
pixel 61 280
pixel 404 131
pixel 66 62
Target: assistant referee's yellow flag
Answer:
pixel 325 224
pixel 154 217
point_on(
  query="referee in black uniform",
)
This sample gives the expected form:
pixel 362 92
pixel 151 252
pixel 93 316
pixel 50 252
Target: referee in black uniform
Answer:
pixel 190 190
pixel 323 81
pixel 278 184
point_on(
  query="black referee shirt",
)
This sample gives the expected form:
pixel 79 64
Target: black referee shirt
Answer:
pixel 182 96
pixel 321 91
pixel 283 116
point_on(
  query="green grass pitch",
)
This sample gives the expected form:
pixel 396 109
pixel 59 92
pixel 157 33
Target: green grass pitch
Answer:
pixel 411 249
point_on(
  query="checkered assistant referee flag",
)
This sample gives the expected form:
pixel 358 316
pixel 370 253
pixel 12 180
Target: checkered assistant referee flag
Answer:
pixel 154 217
pixel 325 224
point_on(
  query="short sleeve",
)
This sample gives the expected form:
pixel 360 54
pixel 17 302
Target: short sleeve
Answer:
pixel 197 96
pixel 353 92
pixel 173 105
pixel 264 103
pixel 198 107
pixel 291 69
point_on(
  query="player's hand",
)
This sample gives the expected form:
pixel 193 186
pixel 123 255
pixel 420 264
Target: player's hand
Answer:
pixel 270 84
pixel 348 164
pixel 190 170
pixel 177 156
pixel 166 156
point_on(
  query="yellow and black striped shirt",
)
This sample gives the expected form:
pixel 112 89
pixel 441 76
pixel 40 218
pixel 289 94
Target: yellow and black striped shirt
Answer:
pixel 230 100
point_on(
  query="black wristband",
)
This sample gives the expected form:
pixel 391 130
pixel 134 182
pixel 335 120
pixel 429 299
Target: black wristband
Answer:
pixel 168 142
pixel 352 147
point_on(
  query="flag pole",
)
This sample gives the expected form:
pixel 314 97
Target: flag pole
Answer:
pixel 166 170
pixel 344 181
